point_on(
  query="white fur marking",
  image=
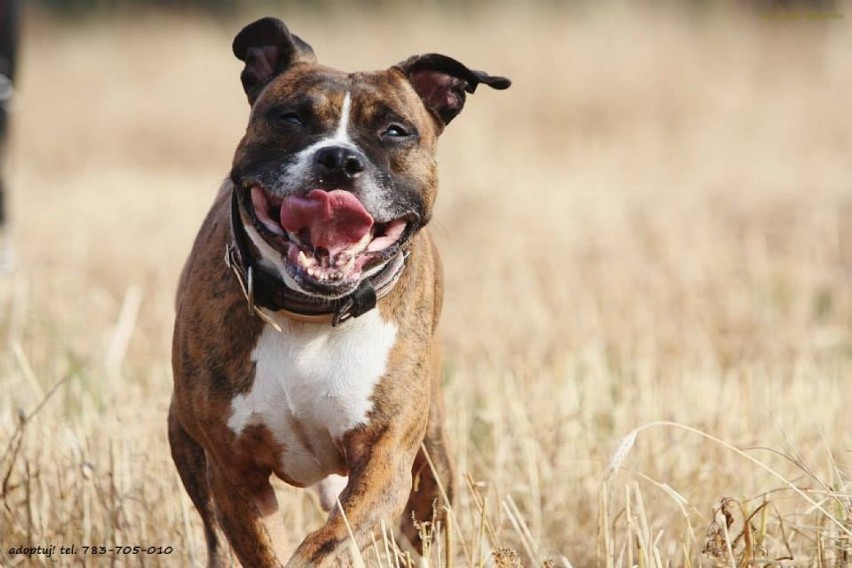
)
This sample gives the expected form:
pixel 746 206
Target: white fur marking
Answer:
pixel 321 376
pixel 329 490
pixel 304 159
pixel 342 134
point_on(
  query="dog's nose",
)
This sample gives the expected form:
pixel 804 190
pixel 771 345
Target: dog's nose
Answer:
pixel 339 162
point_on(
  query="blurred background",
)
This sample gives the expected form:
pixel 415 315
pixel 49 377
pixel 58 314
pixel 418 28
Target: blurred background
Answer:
pixel 650 230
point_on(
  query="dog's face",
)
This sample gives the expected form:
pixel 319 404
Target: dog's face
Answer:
pixel 336 171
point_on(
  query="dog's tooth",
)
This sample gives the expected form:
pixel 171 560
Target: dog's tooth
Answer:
pixel 343 265
pixel 303 259
pixel 343 259
pixel 365 240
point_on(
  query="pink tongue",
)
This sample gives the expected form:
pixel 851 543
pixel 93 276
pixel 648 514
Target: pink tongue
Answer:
pixel 336 220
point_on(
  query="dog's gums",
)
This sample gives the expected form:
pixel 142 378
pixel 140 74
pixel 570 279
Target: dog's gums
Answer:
pixel 327 237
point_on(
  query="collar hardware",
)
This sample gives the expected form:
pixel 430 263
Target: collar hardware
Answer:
pixel 246 281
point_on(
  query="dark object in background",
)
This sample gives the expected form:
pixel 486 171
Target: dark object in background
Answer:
pixel 9 19
pixel 75 8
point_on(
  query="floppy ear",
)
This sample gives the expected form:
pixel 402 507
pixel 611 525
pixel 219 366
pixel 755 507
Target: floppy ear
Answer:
pixel 268 48
pixel 442 82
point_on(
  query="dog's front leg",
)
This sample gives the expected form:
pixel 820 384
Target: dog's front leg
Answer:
pixel 380 460
pixel 245 512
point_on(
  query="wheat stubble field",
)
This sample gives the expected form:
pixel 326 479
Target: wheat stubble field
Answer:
pixel 648 248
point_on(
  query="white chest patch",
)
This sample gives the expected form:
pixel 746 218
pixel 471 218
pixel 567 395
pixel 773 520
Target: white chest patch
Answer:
pixel 312 384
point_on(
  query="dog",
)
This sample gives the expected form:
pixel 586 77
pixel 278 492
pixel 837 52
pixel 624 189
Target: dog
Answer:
pixel 305 341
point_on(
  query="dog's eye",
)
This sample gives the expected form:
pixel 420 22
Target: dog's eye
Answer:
pixel 395 131
pixel 289 117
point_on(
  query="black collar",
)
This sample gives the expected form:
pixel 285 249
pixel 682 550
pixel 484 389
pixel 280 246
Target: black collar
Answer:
pixel 265 290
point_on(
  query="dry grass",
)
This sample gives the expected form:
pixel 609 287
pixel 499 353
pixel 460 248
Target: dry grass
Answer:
pixel 648 236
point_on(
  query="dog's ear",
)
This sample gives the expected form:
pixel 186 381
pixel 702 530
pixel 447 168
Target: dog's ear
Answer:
pixel 442 82
pixel 268 48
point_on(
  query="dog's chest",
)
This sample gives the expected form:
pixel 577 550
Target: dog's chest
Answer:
pixel 312 384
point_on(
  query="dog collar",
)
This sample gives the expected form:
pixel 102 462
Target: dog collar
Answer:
pixel 264 290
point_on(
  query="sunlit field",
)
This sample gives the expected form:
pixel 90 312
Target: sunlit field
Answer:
pixel 648 253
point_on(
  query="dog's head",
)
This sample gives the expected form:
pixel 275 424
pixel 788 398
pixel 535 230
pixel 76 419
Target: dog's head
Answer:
pixel 337 171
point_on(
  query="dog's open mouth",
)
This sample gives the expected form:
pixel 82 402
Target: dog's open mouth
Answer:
pixel 327 238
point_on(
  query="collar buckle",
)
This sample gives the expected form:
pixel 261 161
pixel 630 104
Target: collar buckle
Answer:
pixel 359 302
pixel 245 278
